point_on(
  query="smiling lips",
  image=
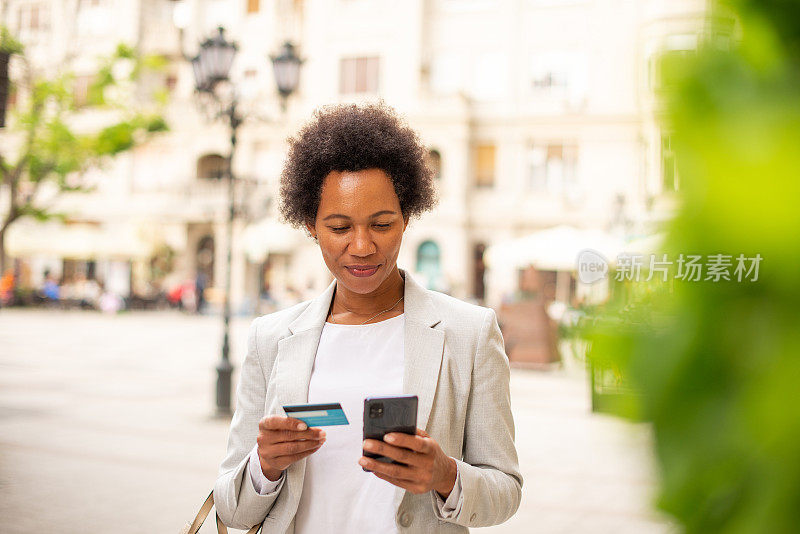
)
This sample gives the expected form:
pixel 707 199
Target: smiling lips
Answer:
pixel 362 270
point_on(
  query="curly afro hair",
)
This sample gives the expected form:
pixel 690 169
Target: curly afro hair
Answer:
pixel 350 137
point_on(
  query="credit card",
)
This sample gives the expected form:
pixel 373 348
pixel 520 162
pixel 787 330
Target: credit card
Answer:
pixel 318 414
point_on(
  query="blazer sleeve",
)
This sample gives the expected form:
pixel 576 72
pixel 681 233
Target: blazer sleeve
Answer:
pixel 490 477
pixel 238 503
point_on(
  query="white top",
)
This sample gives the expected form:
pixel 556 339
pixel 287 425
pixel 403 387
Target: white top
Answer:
pixel 352 362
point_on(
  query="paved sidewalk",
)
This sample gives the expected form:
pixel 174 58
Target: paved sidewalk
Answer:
pixel 105 427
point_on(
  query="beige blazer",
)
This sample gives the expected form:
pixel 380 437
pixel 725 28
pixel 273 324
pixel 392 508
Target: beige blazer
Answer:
pixel 455 362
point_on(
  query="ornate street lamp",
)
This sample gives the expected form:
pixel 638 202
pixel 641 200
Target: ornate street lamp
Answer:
pixel 211 66
pixel 200 78
pixel 286 67
pixel 213 63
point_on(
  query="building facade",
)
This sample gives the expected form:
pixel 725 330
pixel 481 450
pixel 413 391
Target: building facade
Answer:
pixel 536 113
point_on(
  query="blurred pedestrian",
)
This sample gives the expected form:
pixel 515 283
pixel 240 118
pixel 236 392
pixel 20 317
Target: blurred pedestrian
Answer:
pixel 7 288
pixel 51 291
pixel 110 302
pixel 87 292
pixel 188 296
pixel 183 296
pixel 174 296
pixel 200 282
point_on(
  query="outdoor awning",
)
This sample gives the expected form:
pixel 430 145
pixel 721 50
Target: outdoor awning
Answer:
pixel 76 241
pixel 269 236
pixel 553 249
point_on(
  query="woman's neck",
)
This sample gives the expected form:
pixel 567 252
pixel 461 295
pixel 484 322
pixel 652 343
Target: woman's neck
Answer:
pixel 359 305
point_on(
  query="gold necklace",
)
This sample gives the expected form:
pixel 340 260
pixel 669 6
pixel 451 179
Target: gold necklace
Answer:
pixel 371 318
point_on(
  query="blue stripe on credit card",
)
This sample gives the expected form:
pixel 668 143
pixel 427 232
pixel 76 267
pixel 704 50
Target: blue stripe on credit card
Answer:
pixel 318 414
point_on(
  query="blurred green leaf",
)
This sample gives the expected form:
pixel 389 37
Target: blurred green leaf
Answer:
pixel 156 123
pixel 124 51
pixel 717 372
pixel 115 139
pixel 8 43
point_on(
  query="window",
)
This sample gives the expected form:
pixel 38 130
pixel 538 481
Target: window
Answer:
pixel 92 18
pixel 447 73
pixel 435 163
pixel 552 167
pixel 211 166
pixel 32 18
pixel 484 160
pixel 81 88
pixel 560 73
pixel 252 6
pixel 669 174
pixel 489 76
pixel 358 75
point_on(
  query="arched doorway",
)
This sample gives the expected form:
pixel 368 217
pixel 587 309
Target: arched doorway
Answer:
pixel 211 167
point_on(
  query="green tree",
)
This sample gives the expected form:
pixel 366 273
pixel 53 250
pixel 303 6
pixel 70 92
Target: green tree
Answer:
pixel 716 365
pixel 51 153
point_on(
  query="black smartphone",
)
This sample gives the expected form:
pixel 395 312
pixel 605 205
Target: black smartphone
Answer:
pixel 388 414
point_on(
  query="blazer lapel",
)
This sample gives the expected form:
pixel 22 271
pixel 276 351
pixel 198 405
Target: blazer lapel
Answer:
pixel 423 349
pixel 296 353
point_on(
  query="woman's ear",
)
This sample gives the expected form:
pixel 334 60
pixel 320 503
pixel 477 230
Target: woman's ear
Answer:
pixel 405 223
pixel 311 230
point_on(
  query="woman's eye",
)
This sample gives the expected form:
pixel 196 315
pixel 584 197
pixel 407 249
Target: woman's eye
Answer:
pixel 344 228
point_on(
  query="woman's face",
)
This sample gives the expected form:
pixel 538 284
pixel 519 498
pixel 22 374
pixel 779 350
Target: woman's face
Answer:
pixel 359 227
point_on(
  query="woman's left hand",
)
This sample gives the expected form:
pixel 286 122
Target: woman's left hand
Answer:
pixel 426 467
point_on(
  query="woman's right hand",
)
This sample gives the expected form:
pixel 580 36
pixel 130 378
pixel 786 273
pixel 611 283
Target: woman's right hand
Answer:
pixel 284 440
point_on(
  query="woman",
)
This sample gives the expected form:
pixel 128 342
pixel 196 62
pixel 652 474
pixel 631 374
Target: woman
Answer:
pixel 353 178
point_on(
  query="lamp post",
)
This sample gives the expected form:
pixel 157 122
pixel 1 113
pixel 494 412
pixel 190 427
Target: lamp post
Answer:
pixel 5 55
pixel 211 66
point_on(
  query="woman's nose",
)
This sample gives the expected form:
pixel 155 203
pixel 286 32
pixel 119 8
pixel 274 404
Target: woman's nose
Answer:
pixel 362 244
